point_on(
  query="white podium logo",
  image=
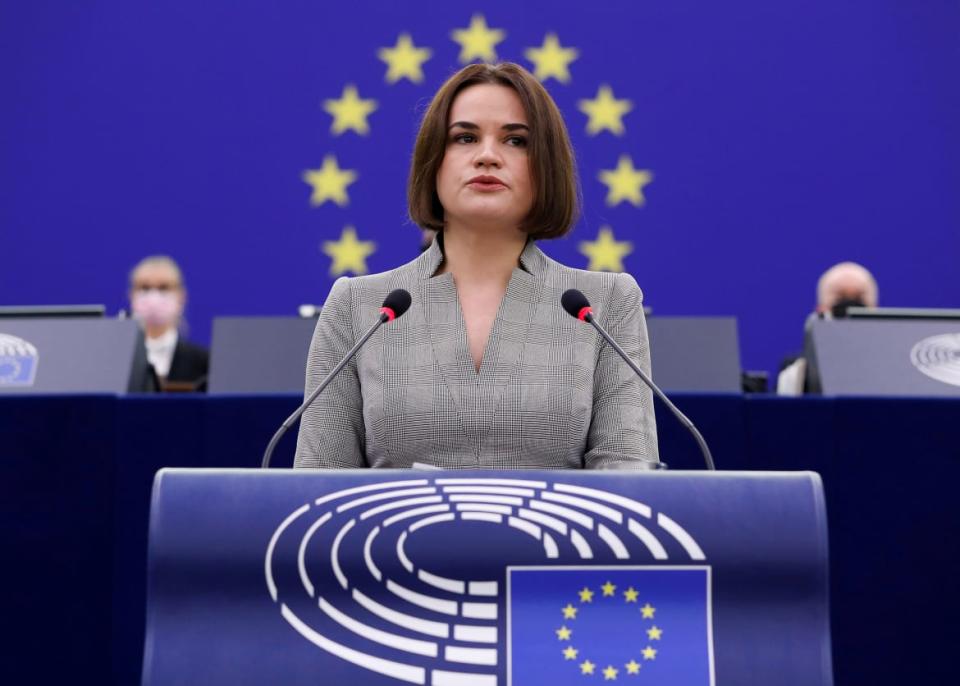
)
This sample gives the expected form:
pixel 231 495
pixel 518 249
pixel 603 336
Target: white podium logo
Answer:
pixel 563 521
pixel 18 361
pixel 939 357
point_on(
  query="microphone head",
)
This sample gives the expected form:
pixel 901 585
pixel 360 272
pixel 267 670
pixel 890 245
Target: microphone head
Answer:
pixel 396 303
pixel 576 304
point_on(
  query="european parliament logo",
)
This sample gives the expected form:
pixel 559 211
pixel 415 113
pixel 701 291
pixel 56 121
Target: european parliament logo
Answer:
pixel 18 361
pixel 938 357
pixel 493 582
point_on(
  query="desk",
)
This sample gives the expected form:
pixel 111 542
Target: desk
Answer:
pixel 76 472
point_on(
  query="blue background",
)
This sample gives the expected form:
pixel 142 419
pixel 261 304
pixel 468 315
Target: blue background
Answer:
pixel 783 136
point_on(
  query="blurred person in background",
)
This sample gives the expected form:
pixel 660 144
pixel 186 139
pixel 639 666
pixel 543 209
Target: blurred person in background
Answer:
pixel 841 287
pixel 157 300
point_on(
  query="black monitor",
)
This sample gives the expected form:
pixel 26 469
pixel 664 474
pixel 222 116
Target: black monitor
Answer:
pixel 902 313
pixel 60 311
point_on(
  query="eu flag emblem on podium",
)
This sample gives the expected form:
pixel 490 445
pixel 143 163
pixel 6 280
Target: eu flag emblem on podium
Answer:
pixel 578 625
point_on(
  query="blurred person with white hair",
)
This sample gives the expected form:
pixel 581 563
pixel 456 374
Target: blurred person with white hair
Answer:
pixel 841 287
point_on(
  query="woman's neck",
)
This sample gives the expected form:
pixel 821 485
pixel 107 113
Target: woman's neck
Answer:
pixel 156 331
pixel 474 257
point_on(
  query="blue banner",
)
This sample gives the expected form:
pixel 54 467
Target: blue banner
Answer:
pixel 728 152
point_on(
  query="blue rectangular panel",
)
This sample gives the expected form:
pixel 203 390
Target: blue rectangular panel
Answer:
pixel 567 623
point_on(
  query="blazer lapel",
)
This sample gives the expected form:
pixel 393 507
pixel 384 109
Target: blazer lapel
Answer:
pixel 441 312
pixel 503 355
pixel 477 395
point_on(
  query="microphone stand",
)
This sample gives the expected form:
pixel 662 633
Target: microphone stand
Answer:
pixel 289 421
pixel 681 417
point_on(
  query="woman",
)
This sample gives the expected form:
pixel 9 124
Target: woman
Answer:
pixel 485 369
pixel 157 299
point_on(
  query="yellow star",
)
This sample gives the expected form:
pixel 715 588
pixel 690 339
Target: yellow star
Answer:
pixel 349 112
pixel 586 595
pixel 648 611
pixel 631 595
pixel 654 633
pixel 563 633
pixel 586 667
pixel 404 60
pixel 608 589
pixel 605 112
pixel 633 667
pixel 329 182
pixel 552 60
pixel 569 612
pixel 348 254
pixel 625 182
pixel 570 653
pixel 606 254
pixel 649 653
pixel 610 673
pixel 478 40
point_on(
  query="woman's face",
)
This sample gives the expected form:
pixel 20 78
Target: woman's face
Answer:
pixel 485 174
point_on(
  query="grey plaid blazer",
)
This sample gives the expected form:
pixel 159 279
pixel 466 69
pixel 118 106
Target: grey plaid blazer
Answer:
pixel 549 393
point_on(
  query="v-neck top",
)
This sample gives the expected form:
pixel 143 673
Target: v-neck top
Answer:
pixel 549 392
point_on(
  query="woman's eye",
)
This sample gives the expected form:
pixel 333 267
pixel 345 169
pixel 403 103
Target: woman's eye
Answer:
pixel 464 138
pixel 517 141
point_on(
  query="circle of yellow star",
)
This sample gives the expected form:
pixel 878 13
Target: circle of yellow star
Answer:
pixel 404 60
pixel 586 595
pixel 551 60
pixel 348 254
pixel 633 667
pixel 586 667
pixel 563 634
pixel 350 112
pixel 570 653
pixel 654 633
pixel 478 41
pixel 625 182
pixel 606 254
pixel 648 611
pixel 605 112
pixel 631 595
pixel 329 182
pixel 569 612
pixel 649 653
pixel 608 589
pixel 610 673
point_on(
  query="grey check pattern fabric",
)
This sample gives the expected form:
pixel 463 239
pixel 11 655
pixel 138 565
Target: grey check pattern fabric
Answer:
pixel 550 394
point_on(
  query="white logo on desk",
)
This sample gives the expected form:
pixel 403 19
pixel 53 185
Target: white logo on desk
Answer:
pixel 566 522
pixel 939 357
pixel 18 361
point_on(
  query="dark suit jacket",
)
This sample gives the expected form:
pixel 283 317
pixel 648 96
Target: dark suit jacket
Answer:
pixel 190 364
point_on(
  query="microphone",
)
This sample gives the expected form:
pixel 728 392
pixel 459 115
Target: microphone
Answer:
pixel 394 305
pixel 577 305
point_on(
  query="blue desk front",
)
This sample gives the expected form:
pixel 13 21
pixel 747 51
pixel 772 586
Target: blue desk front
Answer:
pixel 484 578
pixel 76 474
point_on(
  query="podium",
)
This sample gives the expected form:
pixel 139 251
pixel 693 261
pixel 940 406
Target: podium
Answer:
pixel 487 578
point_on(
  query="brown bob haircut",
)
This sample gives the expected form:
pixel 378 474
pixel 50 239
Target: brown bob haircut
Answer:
pixel 553 172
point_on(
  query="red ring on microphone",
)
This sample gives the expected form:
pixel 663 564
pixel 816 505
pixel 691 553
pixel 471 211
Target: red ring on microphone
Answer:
pixel 584 311
pixel 391 315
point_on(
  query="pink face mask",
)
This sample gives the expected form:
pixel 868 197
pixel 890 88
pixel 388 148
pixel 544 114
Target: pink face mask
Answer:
pixel 156 308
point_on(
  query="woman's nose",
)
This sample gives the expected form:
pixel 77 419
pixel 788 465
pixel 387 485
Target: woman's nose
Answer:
pixel 487 154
